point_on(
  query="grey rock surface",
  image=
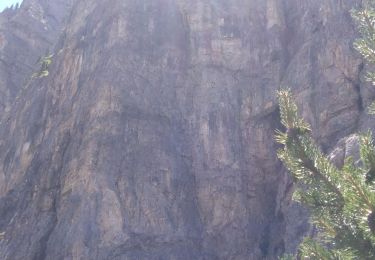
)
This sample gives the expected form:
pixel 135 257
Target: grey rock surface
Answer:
pixel 26 35
pixel 152 136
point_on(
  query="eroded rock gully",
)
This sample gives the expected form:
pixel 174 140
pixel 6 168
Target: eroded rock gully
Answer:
pixel 152 135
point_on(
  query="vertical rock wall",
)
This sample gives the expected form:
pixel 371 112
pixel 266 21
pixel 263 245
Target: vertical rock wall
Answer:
pixel 152 136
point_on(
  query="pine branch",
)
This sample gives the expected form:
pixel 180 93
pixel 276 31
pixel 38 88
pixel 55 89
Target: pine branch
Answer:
pixel 342 204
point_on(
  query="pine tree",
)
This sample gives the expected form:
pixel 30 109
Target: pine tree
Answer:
pixel 341 200
pixel 365 19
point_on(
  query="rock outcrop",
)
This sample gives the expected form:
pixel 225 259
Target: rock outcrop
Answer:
pixel 27 34
pixel 152 135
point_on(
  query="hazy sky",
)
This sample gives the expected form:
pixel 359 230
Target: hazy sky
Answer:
pixel 7 3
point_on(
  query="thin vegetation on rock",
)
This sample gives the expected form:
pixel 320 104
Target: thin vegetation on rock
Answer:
pixel 44 63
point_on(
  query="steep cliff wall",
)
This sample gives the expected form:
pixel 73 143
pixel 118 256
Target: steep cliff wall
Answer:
pixel 152 136
pixel 26 34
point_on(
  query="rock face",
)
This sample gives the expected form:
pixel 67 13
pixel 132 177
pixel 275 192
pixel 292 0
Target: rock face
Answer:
pixel 152 135
pixel 26 34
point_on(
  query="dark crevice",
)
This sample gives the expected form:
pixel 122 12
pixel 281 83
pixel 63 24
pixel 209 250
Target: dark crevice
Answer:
pixel 357 87
pixel 56 176
pixel 360 105
pixel 42 253
pixel 264 244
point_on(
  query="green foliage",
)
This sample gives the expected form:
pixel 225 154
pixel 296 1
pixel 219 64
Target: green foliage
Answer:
pixel 286 257
pixel 44 63
pixel 365 45
pixel 342 201
pixel 311 249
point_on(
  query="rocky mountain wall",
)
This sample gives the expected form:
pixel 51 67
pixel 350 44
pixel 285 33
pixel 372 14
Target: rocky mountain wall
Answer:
pixel 152 135
pixel 26 35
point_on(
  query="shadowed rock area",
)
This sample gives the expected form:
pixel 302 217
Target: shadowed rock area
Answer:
pixel 152 135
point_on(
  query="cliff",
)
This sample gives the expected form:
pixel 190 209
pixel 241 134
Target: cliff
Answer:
pixel 152 135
